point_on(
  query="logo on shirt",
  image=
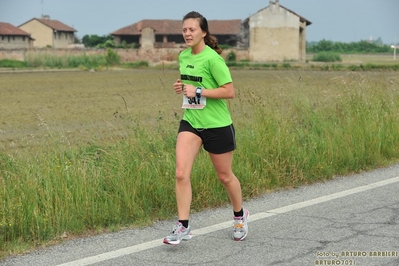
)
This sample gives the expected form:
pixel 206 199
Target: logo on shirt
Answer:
pixel 190 66
pixel 191 78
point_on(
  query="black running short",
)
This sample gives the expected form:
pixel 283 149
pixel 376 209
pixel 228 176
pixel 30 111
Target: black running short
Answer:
pixel 215 140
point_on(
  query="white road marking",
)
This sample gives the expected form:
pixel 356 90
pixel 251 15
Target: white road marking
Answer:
pixel 209 229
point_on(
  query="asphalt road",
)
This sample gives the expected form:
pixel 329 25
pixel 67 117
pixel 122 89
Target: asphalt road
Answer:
pixel 352 220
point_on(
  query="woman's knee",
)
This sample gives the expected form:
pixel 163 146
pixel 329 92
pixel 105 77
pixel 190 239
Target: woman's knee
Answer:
pixel 226 178
pixel 181 176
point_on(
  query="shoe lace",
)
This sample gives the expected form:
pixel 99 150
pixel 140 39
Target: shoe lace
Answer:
pixel 238 223
pixel 177 228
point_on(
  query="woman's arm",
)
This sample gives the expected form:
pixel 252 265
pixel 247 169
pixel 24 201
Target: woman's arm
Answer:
pixel 225 91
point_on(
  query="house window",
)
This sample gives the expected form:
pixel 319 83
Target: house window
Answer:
pixel 23 38
pixel 2 37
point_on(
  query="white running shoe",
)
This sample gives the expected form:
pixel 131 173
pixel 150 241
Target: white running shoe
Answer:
pixel 240 226
pixel 178 234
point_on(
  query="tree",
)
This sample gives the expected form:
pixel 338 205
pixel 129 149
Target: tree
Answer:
pixel 325 45
pixel 94 40
pixel 346 48
pixel 378 42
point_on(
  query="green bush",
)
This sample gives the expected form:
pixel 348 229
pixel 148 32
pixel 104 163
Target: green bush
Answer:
pixel 286 65
pixel 107 44
pixel 112 57
pixel 231 57
pixel 95 40
pixel 327 57
pixel 225 46
pixel 12 63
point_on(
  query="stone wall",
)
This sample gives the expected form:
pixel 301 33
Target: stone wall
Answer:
pixel 127 55
pixel 8 42
pixel 13 54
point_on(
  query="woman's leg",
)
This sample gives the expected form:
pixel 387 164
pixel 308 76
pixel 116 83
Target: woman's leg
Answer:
pixel 222 163
pixel 187 148
pixel 223 166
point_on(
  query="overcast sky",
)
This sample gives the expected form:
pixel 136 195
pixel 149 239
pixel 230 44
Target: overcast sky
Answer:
pixel 335 20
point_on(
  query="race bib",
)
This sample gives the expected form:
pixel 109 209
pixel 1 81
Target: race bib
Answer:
pixel 192 103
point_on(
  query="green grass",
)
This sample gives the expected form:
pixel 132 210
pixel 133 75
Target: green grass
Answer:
pixel 88 152
pixel 138 64
pixel 7 63
pixel 327 57
pixel 47 59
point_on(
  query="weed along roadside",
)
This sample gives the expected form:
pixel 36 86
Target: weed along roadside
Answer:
pixel 87 152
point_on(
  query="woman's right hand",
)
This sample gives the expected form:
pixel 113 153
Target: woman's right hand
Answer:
pixel 178 86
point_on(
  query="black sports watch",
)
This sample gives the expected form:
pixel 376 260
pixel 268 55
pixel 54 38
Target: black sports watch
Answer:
pixel 198 93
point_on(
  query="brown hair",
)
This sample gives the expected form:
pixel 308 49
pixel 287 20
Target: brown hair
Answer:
pixel 210 40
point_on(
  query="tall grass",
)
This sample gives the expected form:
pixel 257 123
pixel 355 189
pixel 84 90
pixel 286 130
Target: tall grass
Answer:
pixel 86 188
pixel 312 133
pixel 292 129
pixel 84 61
pixel 48 59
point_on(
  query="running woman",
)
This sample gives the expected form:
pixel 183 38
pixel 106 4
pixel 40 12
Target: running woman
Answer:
pixel 205 81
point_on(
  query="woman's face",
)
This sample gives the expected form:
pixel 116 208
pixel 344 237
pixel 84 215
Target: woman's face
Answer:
pixel 192 32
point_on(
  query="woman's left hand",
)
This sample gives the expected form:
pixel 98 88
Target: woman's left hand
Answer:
pixel 189 90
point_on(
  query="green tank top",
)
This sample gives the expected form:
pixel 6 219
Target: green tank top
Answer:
pixel 209 71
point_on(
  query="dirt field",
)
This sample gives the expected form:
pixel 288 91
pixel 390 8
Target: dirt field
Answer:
pixel 77 107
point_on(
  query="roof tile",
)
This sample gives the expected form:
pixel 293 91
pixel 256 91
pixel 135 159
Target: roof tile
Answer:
pixel 8 29
pixel 166 26
pixel 54 24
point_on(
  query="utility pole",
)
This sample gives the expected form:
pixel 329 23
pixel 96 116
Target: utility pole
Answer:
pixel 394 49
pixel 42 7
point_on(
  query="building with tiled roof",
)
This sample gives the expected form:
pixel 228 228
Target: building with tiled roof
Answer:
pixel 49 33
pixel 168 33
pixel 12 37
pixel 274 33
